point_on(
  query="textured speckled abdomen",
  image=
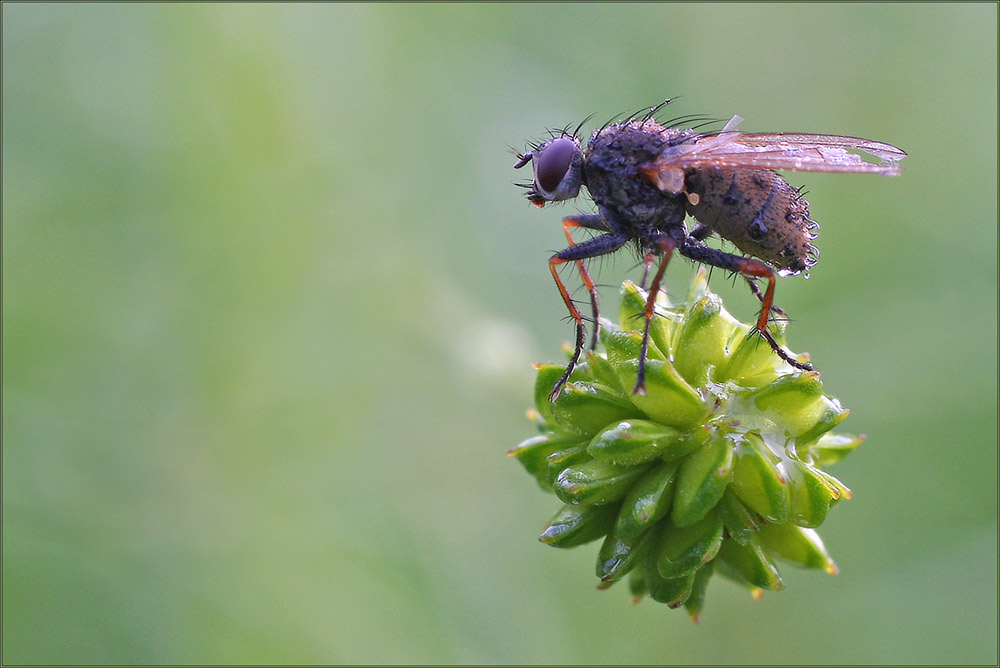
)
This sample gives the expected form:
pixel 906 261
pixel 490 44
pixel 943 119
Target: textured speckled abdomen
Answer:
pixel 756 210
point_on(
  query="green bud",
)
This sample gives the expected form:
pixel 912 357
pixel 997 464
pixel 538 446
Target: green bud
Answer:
pixel 759 479
pixel 631 316
pixel 742 525
pixel 750 564
pixel 620 553
pixel 648 501
pixel 548 375
pixel 701 481
pixel 837 489
pixel 533 453
pixel 632 307
pixel 702 340
pixel 831 414
pixel 576 525
pixel 624 346
pixel 673 592
pixel 793 400
pixel 637 581
pixel 798 545
pixel 559 460
pixel 603 371
pixel 668 397
pixel 587 407
pixel 831 448
pixel 752 363
pixel 683 550
pixel 633 442
pixel 595 482
pixel 810 495
pixel 715 469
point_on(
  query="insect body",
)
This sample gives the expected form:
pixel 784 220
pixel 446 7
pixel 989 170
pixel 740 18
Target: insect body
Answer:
pixel 645 178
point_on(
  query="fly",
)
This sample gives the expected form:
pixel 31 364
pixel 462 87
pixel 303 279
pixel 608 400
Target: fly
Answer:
pixel 645 178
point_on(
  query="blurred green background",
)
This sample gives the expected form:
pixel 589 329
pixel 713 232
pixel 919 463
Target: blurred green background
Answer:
pixel 270 301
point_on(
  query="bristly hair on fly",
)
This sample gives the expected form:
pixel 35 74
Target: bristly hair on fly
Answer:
pixel 686 121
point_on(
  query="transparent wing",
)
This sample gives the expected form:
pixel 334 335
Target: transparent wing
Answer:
pixel 781 150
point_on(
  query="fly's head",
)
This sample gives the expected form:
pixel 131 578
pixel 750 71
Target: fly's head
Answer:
pixel 558 165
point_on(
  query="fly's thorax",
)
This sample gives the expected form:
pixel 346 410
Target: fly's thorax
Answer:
pixel 758 211
pixel 614 178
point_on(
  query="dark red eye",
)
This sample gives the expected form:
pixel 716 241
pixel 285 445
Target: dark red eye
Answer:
pixel 553 162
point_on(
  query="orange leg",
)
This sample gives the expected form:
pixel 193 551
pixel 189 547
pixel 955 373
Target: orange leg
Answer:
pixel 574 312
pixel 600 245
pixel 760 296
pixel 751 268
pixel 581 221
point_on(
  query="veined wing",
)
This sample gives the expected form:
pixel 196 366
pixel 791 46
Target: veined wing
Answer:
pixel 780 150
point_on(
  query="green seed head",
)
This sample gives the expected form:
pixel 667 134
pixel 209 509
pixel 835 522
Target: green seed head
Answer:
pixel 716 469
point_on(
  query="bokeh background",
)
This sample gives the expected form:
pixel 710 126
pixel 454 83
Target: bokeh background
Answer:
pixel 270 300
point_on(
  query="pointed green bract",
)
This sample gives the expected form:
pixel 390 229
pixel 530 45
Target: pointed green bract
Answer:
pixel 837 488
pixel 798 545
pixel 751 564
pixel 702 339
pixel 648 501
pixel 633 442
pixel 668 397
pixel 713 469
pixel 810 495
pixel 623 346
pixel 545 380
pixel 701 481
pixel 682 550
pixel 696 600
pixel 742 524
pixel 595 482
pixel 588 407
pixel 829 416
pixel 620 553
pixel 558 461
pixel 632 317
pixel 831 448
pixel 759 479
pixel 603 371
pixel 793 400
pixel 534 452
pixel 637 581
pixel 576 525
pixel 632 308
pixel 751 363
pixel 674 592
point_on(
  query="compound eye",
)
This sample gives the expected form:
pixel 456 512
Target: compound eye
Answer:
pixel 552 164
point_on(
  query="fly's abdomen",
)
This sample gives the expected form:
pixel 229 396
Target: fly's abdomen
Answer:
pixel 756 210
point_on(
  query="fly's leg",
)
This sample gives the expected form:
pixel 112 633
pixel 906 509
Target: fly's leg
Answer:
pixel 701 232
pixel 592 222
pixel 602 245
pixel 647 263
pixel 752 282
pixel 665 245
pixel 751 270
